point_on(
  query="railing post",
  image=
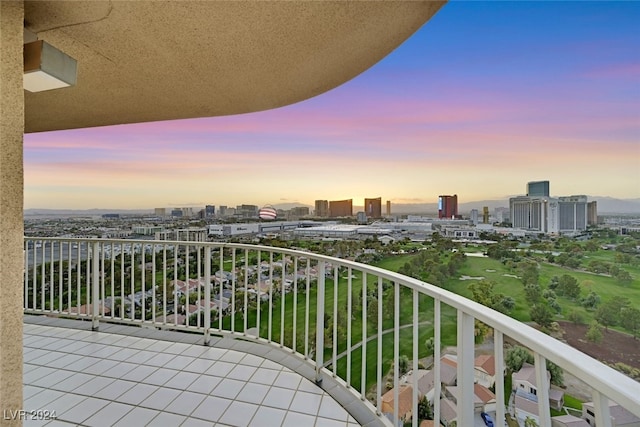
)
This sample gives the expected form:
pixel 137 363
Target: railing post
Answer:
pixel 466 350
pixel 543 390
pixel 320 322
pixel 207 295
pixel 95 285
pixel 601 407
pixel 498 351
pixel 437 384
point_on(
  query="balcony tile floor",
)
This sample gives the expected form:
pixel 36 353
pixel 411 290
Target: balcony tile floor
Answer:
pixel 106 379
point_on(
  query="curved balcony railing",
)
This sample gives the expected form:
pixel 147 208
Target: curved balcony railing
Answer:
pixel 358 315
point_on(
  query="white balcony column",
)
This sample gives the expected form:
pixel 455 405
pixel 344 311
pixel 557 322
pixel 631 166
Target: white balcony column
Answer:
pixel 414 368
pixel 95 284
pixel 11 207
pixel 437 384
pixel 498 351
pixel 543 391
pixel 396 350
pixel 207 295
pixel 466 354
pixel 601 407
pixel 320 321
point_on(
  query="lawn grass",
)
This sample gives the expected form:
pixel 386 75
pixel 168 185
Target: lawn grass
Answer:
pixel 488 268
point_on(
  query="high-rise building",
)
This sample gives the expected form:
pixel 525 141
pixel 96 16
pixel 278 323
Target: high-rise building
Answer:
pixel 209 211
pixel 161 212
pixel 530 213
pixel 338 208
pixel 322 208
pixel 592 213
pixel 222 211
pixel 501 214
pixel 474 216
pixel 388 207
pixel 373 207
pixel 538 189
pixel 300 211
pixel 247 211
pixel 572 213
pixel 448 206
pixel 485 215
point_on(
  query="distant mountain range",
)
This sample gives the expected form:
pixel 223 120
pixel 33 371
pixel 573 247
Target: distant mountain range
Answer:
pixel 606 205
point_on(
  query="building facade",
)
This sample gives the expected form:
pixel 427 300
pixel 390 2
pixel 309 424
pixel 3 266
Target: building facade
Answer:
pixel 572 213
pixel 373 207
pixel 592 213
pixel 322 208
pixel 448 206
pixel 338 208
pixel 538 189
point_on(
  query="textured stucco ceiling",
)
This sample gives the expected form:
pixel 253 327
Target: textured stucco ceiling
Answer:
pixel 144 61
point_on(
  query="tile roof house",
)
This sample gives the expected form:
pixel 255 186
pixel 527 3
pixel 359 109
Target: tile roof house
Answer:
pixel 405 402
pixel 526 393
pixel 620 417
pixel 484 370
pixel 448 412
pixel 568 421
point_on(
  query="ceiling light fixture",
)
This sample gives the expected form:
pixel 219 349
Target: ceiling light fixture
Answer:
pixel 47 68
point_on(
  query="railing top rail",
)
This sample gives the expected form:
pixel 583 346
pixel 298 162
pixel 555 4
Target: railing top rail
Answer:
pixel 618 387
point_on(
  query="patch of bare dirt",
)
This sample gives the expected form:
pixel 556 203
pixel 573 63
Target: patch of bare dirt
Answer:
pixel 614 347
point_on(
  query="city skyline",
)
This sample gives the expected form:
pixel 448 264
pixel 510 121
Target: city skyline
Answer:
pixel 483 99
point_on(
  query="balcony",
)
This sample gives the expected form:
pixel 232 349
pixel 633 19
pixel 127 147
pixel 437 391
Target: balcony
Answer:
pixel 129 323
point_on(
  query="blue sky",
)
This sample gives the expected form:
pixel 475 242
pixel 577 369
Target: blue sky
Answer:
pixel 483 98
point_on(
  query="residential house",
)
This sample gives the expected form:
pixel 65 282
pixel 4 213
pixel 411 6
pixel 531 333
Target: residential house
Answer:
pixel 405 402
pixel 487 397
pixel 620 417
pixel 448 412
pixel 425 379
pixel 484 370
pixel 568 421
pixel 526 393
pixel 176 319
pixel 451 393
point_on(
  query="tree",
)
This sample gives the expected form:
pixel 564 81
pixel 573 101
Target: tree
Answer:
pixel 631 320
pixel 594 333
pixel 372 310
pixel 516 356
pixel 608 314
pixel 541 314
pixel 424 409
pixel 557 374
pixel 591 301
pixel 575 317
pixel 403 365
pixel 528 273
pixel 568 286
pixel 429 346
pixel 507 304
pixel 483 292
pixel 624 277
pixel 530 422
pixel 533 292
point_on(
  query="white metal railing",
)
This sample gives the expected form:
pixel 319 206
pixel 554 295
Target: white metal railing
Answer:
pixel 285 298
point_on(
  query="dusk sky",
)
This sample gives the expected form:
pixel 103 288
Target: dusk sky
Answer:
pixel 483 98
